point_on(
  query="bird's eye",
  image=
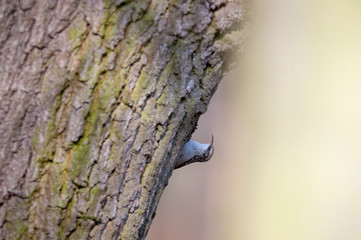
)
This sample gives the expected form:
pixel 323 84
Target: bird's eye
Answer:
pixel 205 155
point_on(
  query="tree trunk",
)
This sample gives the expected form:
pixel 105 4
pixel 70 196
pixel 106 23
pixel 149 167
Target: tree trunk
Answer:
pixel 97 98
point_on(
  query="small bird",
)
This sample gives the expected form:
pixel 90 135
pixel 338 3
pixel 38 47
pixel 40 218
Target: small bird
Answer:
pixel 194 152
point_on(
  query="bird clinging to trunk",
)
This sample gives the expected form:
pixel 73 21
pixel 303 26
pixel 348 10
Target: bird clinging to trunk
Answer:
pixel 194 152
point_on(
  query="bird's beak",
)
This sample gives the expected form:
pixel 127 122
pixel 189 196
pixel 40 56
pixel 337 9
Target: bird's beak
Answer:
pixel 211 145
pixel 211 148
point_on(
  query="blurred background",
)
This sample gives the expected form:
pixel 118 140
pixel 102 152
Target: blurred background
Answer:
pixel 287 128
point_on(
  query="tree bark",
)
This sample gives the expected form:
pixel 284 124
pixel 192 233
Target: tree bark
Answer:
pixel 97 99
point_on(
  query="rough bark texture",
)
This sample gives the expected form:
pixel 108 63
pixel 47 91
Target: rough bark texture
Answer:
pixel 97 98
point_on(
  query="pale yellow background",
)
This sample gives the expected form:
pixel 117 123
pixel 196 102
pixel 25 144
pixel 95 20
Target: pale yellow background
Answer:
pixel 287 127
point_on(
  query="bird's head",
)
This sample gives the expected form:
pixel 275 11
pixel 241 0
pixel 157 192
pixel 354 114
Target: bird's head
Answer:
pixel 208 153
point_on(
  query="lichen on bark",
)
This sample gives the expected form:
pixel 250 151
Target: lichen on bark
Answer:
pixel 97 98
